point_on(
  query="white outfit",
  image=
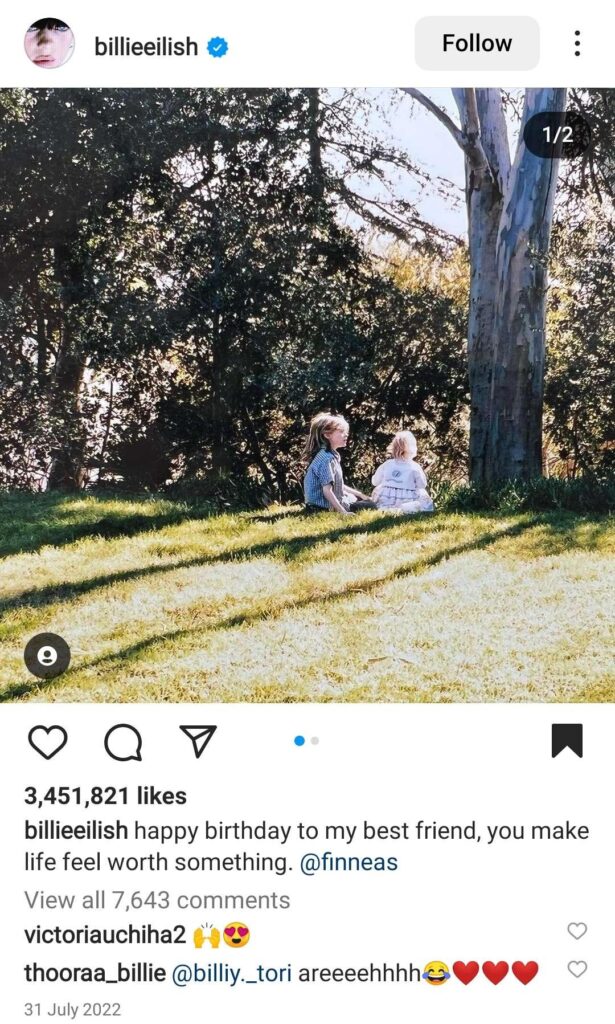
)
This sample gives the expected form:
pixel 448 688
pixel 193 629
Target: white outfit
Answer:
pixel 402 484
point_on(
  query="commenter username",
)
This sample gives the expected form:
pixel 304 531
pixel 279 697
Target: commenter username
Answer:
pixel 184 974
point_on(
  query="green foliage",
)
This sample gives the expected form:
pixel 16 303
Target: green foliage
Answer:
pixel 585 495
pixel 180 292
pixel 180 295
pixel 580 382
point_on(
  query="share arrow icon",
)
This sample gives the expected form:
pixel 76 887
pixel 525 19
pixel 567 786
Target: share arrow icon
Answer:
pixel 200 736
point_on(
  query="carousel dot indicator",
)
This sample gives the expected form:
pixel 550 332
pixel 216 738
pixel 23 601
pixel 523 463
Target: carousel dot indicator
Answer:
pixel 299 741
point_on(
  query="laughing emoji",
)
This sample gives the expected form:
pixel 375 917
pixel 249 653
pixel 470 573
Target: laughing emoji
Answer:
pixel 436 973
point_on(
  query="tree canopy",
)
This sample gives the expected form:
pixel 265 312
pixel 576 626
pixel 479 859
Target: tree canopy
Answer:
pixel 188 275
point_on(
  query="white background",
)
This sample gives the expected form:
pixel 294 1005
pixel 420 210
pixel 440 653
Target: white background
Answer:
pixel 390 763
pixel 272 42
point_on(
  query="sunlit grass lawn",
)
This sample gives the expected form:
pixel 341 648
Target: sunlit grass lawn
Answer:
pixel 161 603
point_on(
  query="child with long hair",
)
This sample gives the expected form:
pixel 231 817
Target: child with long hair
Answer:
pixel 400 483
pixel 324 487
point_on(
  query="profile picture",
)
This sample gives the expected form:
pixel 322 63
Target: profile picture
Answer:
pixel 49 43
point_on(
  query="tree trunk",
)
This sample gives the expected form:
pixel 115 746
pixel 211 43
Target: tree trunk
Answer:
pixel 103 447
pixel 515 435
pixel 255 450
pixel 487 168
pixel 41 346
pixel 317 174
pixel 67 471
pixel 221 418
pixel 510 210
pixel 221 415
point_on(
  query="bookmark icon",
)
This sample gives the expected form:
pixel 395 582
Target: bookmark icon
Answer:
pixel 566 735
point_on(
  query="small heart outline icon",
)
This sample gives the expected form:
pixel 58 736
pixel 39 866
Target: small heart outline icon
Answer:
pixel 46 745
pixel 495 973
pixel 465 972
pixel 577 929
pixel 577 968
pixel 525 972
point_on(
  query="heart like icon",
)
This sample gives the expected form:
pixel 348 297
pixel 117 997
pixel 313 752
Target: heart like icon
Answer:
pixel 465 972
pixel 495 972
pixel 525 972
pixel 577 967
pixel 47 741
pixel 577 929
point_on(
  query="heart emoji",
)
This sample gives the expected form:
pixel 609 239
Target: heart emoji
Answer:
pixel 495 972
pixel 47 741
pixel 465 972
pixel 525 972
pixel 577 929
pixel 577 967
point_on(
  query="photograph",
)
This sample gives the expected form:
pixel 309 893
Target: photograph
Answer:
pixel 306 394
pixel 49 43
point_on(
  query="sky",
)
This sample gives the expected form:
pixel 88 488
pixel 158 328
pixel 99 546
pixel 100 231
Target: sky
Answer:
pixel 419 132
pixel 431 145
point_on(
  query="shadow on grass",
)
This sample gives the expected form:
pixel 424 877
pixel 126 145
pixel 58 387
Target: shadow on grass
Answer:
pixel 295 512
pixel 287 549
pixel 249 618
pixel 24 527
pixel 561 532
pixel 566 531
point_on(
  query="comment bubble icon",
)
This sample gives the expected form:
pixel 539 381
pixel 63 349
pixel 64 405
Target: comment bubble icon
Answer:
pixel 123 743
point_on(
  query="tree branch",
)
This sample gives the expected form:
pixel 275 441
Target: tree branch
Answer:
pixel 468 137
pixel 471 131
pixel 494 135
pixel 442 116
